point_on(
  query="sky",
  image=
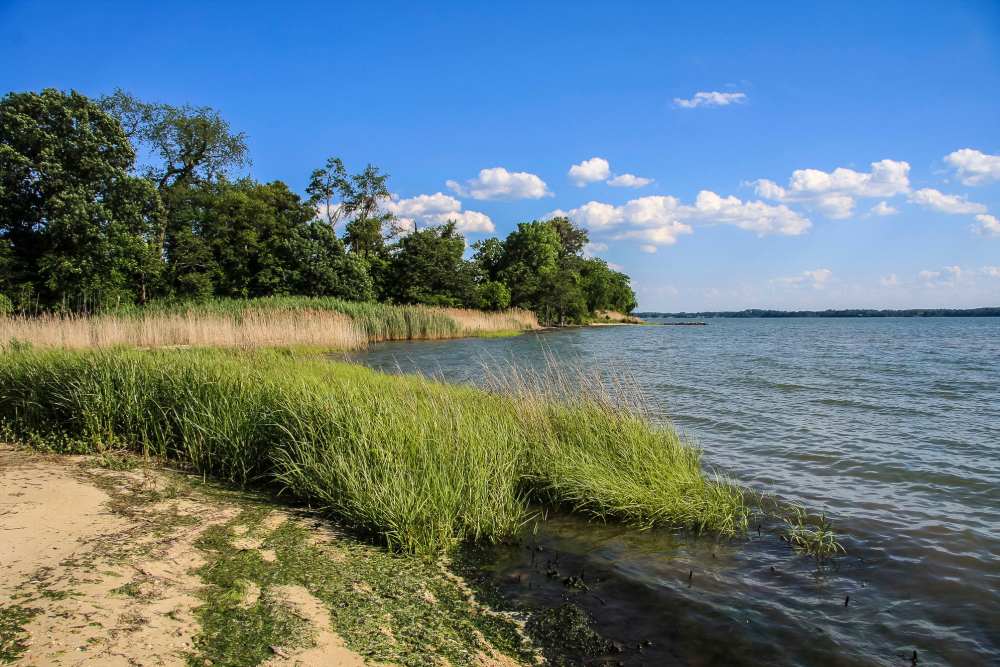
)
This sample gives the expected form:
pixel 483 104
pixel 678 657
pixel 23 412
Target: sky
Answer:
pixel 724 155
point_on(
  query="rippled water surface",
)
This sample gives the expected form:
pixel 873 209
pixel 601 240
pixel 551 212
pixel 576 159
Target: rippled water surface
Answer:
pixel 890 426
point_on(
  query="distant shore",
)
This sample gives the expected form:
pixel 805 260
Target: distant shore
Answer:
pixel 852 312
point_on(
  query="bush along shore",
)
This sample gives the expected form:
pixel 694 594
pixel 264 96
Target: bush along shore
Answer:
pixel 315 322
pixel 418 465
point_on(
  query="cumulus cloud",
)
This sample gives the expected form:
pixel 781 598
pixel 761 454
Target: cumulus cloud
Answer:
pixel 589 171
pixel 988 225
pixel 816 278
pixel 834 193
pixel 938 201
pixel 629 181
pixel 883 208
pixel 660 219
pixel 754 216
pixel 662 234
pixel 498 183
pixel 948 276
pixel 710 99
pixel 437 209
pixel 974 167
pixel 598 169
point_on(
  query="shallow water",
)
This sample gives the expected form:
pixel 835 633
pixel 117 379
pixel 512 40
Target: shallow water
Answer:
pixel 890 426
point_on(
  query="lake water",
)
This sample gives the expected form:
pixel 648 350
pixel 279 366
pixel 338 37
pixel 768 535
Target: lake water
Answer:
pixel 889 426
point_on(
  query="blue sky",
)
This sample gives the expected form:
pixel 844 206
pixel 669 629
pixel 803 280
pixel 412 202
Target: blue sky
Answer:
pixel 744 207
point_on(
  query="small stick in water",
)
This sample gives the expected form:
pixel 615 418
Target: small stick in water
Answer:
pixel 846 600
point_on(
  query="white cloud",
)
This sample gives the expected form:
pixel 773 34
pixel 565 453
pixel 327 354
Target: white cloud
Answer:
pixel 437 209
pixel 661 219
pixel 498 183
pixel 948 276
pixel 883 208
pixel 988 225
pixel 593 215
pixel 589 171
pixel 591 249
pixel 938 201
pixel 662 234
pixel 598 169
pixel 629 181
pixel 974 167
pixel 928 276
pixel 710 99
pixel 469 222
pixel 991 271
pixel 834 193
pixel 889 281
pixel 817 279
pixel 754 216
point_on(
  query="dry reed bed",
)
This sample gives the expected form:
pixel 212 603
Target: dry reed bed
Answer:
pixel 257 328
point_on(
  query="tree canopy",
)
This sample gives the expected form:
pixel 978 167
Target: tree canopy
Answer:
pixel 84 224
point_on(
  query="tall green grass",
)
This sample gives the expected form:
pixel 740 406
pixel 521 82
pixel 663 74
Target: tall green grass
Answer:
pixel 419 464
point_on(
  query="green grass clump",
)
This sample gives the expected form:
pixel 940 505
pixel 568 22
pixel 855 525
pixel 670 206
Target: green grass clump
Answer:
pixel 812 537
pixel 419 464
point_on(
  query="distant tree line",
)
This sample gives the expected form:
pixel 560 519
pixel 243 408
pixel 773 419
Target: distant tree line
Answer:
pixel 849 312
pixel 85 223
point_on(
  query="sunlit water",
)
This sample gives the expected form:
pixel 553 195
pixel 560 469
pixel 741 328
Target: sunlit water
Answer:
pixel 890 426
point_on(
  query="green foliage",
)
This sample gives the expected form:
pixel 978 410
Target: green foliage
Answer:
pixel 74 225
pixel 812 537
pixel 83 227
pixel 6 305
pixel 428 268
pixel 418 464
pixel 493 295
pixel 247 239
pixel 542 266
pixel 191 144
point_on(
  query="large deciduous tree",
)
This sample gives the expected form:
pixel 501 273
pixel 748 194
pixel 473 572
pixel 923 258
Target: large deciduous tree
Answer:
pixel 75 226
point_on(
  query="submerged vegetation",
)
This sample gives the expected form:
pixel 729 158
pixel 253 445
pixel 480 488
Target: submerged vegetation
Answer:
pixel 417 464
pixel 323 323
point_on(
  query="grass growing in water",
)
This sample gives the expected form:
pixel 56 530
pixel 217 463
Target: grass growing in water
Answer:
pixel 812 537
pixel 419 464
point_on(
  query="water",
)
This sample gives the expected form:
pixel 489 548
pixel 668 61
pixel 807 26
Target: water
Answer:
pixel 889 426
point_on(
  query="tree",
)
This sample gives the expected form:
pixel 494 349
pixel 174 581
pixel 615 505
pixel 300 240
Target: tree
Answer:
pixel 530 262
pixel 606 289
pixel 75 226
pixel 248 239
pixel 192 145
pixel 427 267
pixel 325 185
pixel 493 295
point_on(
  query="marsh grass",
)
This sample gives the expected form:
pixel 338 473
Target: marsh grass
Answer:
pixel 321 323
pixel 418 464
pixel 812 536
